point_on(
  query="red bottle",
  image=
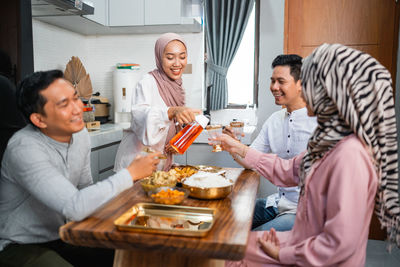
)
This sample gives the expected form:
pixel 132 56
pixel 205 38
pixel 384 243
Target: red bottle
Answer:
pixel 182 140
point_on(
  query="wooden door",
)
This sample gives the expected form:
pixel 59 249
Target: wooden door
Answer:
pixel 367 25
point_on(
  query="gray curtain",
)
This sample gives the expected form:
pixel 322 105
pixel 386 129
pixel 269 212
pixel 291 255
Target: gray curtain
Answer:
pixel 225 22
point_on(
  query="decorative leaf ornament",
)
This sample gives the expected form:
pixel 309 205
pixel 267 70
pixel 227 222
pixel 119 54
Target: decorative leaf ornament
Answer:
pixel 76 74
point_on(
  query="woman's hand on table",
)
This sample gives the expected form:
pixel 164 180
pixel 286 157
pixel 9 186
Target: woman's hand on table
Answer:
pixel 269 243
pixel 183 115
pixel 143 166
pixel 232 145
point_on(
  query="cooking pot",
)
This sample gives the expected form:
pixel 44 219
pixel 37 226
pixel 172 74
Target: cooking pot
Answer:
pixel 101 108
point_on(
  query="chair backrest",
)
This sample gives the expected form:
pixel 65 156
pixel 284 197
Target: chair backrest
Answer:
pixel 11 118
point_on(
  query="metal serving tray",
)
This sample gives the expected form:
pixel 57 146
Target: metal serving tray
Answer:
pixel 166 219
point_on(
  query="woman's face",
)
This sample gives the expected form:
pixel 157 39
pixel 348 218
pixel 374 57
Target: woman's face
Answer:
pixel 174 59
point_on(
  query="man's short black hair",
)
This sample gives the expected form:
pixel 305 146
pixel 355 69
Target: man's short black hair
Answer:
pixel 293 61
pixel 29 99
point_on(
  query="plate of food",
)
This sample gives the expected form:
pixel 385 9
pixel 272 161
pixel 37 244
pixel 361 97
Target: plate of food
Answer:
pixel 183 172
pixel 206 185
pixel 167 219
pixel 168 195
pixel 159 179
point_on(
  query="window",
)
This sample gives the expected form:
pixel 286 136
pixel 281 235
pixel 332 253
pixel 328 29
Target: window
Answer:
pixel 243 71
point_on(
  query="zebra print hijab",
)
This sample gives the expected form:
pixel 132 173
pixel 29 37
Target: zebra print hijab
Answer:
pixel 351 92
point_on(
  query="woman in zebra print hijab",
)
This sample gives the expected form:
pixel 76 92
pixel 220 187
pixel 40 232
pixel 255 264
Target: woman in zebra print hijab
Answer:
pixel 351 92
pixel 349 167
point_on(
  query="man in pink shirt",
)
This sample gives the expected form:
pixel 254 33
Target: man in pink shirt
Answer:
pixel 350 165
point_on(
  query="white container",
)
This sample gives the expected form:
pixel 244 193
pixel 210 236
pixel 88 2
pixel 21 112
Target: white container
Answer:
pixel 124 84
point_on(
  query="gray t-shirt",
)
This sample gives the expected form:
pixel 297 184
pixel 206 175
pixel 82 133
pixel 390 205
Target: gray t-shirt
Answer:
pixel 43 183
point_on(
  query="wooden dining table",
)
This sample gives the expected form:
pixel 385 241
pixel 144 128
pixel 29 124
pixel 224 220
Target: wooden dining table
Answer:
pixel 227 239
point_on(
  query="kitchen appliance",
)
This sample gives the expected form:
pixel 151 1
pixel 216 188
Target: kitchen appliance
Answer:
pixel 41 8
pixel 124 84
pixel 101 108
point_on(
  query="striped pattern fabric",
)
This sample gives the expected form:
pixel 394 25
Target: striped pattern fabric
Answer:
pixel 351 92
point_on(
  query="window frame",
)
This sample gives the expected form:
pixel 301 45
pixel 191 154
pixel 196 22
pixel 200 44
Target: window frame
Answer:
pixel 256 61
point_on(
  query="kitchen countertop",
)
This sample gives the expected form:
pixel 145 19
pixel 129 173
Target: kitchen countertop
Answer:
pixel 110 133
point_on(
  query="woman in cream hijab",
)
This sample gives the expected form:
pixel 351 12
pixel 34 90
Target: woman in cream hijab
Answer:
pixel 349 168
pixel 158 104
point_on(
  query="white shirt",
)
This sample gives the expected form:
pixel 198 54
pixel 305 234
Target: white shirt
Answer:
pixel 149 124
pixel 285 134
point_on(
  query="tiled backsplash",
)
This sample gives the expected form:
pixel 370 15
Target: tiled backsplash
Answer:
pixel 54 47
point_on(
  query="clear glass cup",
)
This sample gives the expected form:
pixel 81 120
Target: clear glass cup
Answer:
pixel 163 158
pixel 237 128
pixel 214 131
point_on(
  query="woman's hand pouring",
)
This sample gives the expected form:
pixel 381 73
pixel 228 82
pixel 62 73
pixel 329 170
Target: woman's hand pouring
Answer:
pixel 183 115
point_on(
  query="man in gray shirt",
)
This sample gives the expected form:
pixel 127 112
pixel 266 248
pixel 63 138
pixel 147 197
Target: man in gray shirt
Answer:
pixel 46 179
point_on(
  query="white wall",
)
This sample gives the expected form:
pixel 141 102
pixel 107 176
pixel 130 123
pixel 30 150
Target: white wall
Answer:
pixel 271 45
pixel 53 47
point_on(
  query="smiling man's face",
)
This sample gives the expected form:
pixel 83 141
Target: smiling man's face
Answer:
pixel 63 111
pixel 285 89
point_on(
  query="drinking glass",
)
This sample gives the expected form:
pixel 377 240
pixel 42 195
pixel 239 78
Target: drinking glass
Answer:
pixel 163 158
pixel 237 128
pixel 214 131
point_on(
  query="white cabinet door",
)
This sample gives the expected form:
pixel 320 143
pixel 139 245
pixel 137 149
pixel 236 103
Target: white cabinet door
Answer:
pixel 94 165
pixel 158 12
pixel 100 12
pixel 102 161
pixel 200 154
pixel 126 12
pixel 180 159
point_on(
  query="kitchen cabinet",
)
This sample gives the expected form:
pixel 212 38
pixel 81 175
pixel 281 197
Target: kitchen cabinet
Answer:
pixel 180 159
pixel 149 12
pixel 201 154
pixel 132 17
pixel 102 161
pixel 158 12
pixel 126 13
pixel 100 12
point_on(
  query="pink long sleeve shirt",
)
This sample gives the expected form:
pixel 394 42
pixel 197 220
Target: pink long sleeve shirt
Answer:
pixel 333 215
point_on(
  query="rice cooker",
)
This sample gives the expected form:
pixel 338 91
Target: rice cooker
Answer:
pixel 101 108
